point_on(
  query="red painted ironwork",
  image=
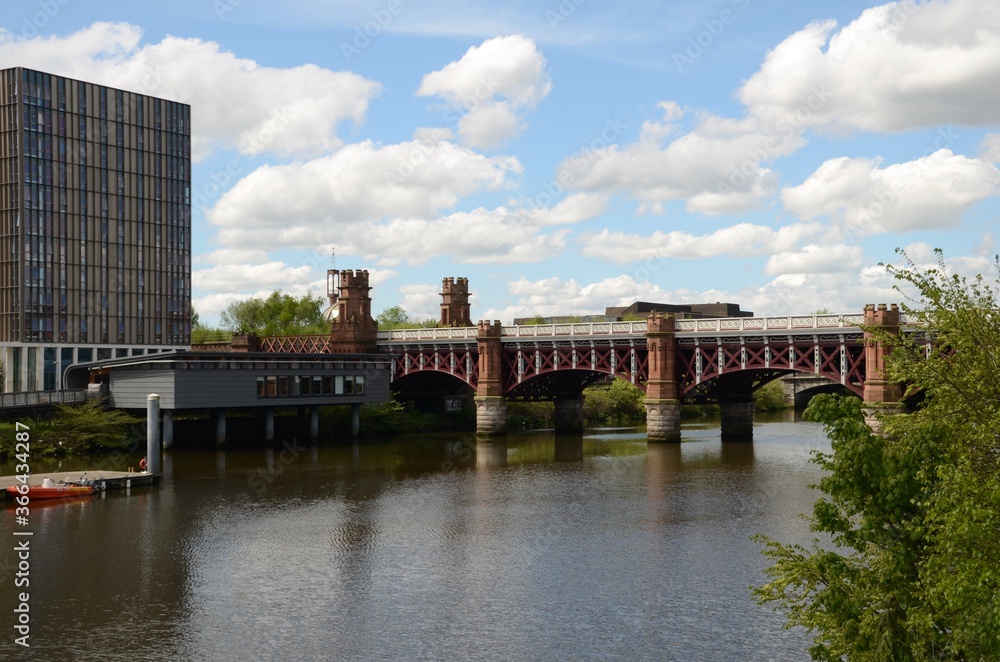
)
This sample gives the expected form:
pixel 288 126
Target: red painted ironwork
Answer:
pixel 840 358
pixel 296 344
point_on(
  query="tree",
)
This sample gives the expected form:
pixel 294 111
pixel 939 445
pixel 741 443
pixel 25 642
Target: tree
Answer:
pixel 913 513
pixel 277 315
pixel 395 317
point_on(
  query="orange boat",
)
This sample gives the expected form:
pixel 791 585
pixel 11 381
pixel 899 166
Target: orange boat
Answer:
pixel 54 492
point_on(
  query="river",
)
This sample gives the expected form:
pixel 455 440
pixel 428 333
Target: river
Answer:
pixel 433 548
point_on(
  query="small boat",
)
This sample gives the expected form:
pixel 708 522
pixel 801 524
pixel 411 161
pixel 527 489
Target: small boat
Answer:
pixel 54 491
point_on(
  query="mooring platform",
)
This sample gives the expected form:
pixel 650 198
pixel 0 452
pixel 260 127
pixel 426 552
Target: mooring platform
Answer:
pixel 106 480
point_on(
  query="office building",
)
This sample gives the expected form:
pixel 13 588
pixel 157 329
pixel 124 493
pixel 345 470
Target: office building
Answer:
pixel 95 225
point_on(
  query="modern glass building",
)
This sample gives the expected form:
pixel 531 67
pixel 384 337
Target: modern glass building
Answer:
pixel 95 225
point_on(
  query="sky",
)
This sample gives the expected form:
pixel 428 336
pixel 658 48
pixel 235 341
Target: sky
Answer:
pixel 563 155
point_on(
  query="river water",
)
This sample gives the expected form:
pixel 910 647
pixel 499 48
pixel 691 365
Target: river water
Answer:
pixel 431 548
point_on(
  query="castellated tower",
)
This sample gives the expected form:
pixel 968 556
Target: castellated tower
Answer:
pixel 352 328
pixel 455 302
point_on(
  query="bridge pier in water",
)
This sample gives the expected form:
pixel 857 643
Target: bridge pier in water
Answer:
pixel 737 419
pixel 569 414
pixel 491 407
pixel 881 397
pixel 663 407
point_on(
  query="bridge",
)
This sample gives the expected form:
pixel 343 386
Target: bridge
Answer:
pixel 720 360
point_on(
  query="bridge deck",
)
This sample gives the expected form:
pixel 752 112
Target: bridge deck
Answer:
pixel 773 325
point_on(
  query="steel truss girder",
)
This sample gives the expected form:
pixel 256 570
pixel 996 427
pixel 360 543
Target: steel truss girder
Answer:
pixel 839 358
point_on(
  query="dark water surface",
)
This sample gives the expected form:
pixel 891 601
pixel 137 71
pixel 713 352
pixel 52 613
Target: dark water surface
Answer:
pixel 540 548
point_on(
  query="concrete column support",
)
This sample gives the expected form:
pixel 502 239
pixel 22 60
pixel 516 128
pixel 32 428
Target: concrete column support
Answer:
pixel 491 407
pixel 153 447
pixel 355 420
pixel 220 427
pixel 269 424
pixel 663 407
pixel 168 428
pixel 569 414
pixel 737 420
pixel 881 397
pixel 313 422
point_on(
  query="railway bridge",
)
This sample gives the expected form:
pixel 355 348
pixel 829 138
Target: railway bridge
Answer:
pixel 720 360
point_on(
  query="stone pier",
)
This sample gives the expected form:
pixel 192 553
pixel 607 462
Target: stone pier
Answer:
pixel 737 419
pixel 663 407
pixel 569 414
pixel 491 407
pixel 881 397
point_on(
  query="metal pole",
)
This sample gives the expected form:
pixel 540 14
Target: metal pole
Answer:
pixel 153 433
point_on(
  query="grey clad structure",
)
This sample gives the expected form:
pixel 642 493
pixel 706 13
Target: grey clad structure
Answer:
pixel 95 225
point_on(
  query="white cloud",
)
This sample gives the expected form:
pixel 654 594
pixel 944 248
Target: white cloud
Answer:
pixel 816 259
pixel 742 239
pixel 232 256
pixel 421 302
pixel 492 84
pixel 266 277
pixel 991 147
pixel 306 204
pixel 475 237
pixel 928 193
pixel 558 296
pixel 573 208
pixel 897 66
pixel 718 167
pixel 236 103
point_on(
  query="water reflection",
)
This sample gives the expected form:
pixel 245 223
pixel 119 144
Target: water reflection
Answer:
pixel 529 547
pixel 491 454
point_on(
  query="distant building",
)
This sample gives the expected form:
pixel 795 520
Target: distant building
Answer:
pixel 641 309
pixel 682 311
pixel 95 211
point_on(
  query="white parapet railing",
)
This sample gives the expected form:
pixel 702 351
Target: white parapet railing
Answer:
pixel 777 323
pixel 439 334
pixel 794 323
pixel 577 329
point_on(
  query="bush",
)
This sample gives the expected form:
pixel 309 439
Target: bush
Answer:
pixel 770 397
pixel 619 401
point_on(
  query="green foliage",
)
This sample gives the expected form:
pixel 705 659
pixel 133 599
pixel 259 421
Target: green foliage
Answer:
pixel 619 401
pixel 530 415
pixel 914 512
pixel 277 315
pixel 770 397
pixel 82 428
pixel 202 334
pixel 396 318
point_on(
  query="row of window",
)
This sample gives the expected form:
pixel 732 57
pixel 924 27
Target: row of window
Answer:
pixel 291 386
pixel 54 364
pixel 125 106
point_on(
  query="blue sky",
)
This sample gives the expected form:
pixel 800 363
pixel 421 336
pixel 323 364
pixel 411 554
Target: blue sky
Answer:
pixel 565 155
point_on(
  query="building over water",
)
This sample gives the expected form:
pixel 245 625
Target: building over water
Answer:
pixel 95 225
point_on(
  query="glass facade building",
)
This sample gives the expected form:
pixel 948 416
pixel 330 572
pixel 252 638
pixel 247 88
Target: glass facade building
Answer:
pixel 95 225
